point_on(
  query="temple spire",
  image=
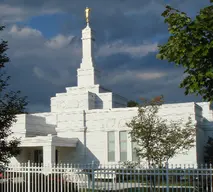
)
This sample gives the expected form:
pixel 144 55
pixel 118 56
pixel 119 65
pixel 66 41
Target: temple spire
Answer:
pixel 87 74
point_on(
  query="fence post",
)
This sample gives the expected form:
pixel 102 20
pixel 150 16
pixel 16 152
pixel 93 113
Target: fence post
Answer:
pixel 167 176
pixel 93 177
pixel 211 178
pixel 28 176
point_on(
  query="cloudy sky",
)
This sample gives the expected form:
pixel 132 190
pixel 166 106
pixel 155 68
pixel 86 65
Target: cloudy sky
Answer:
pixel 45 46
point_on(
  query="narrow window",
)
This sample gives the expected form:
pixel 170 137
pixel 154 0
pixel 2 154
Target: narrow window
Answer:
pixel 123 145
pixel 111 146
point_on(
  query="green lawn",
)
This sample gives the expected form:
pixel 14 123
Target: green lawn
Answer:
pixel 171 183
pixel 144 189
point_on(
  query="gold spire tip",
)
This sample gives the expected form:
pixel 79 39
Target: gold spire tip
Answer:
pixel 87 13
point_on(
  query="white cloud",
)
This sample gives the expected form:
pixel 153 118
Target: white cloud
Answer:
pixel 150 75
pixel 59 41
pixel 27 42
pixel 51 59
pixel 24 32
pixel 120 47
pixel 128 75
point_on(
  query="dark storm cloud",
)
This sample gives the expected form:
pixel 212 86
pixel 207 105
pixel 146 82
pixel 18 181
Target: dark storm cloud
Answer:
pixel 42 67
pixel 125 19
pixel 144 77
pixel 114 61
pixel 122 61
pixel 168 86
pixel 35 89
pixel 76 5
pixel 38 90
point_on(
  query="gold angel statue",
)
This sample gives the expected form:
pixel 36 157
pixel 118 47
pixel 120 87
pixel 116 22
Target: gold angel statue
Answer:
pixel 87 11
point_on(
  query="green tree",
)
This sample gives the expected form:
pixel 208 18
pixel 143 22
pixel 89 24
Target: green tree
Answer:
pixel 132 103
pixel 11 103
pixel 157 139
pixel 190 45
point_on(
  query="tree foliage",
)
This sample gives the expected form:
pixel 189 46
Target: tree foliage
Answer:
pixel 132 103
pixel 190 45
pixel 11 103
pixel 158 139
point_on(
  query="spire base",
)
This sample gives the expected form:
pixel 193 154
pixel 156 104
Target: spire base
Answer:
pixel 88 77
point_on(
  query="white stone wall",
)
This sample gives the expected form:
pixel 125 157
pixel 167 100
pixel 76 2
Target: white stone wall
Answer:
pixel 73 155
pixel 19 127
pixel 65 102
pixel 104 101
pixel 34 125
pixel 206 112
pixel 70 121
pixel 86 98
pixel 79 90
pixel 50 117
pixel 88 77
pixel 38 126
pixel 93 144
pixel 206 127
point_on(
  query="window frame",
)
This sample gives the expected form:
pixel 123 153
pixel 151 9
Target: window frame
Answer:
pixel 123 141
pixel 109 141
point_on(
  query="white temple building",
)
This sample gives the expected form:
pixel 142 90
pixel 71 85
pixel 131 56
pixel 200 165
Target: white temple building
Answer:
pixel 88 122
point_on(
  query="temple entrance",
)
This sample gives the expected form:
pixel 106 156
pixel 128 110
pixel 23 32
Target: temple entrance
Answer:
pixel 45 151
pixel 38 156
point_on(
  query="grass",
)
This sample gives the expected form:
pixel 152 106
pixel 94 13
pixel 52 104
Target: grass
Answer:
pixel 158 182
pixel 146 189
pixel 171 183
